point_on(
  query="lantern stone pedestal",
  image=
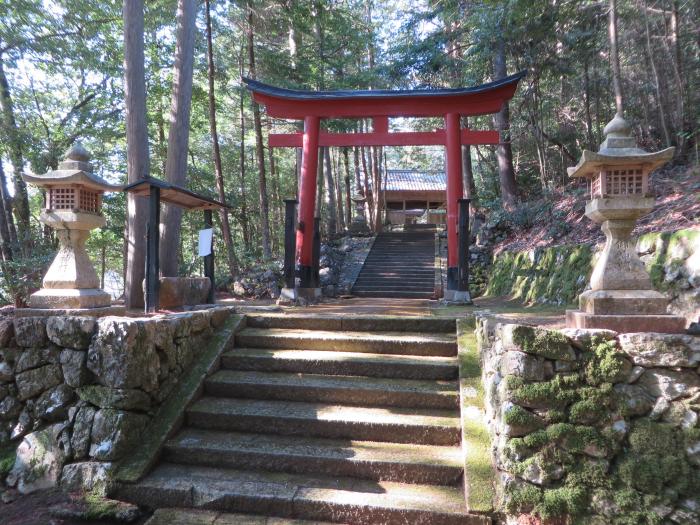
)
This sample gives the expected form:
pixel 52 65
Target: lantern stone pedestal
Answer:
pixel 73 208
pixel 621 297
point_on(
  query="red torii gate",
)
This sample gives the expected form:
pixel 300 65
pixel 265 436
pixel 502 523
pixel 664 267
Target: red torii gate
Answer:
pixel 379 105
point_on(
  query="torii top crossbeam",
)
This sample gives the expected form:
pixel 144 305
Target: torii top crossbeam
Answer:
pixel 380 105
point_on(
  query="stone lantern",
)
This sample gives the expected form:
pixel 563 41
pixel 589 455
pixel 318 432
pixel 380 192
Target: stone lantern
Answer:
pixel 359 225
pixel 73 207
pixel 621 297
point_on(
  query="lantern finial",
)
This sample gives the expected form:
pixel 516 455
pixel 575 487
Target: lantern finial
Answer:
pixel 78 152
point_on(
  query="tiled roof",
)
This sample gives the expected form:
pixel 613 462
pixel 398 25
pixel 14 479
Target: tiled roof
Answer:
pixel 410 180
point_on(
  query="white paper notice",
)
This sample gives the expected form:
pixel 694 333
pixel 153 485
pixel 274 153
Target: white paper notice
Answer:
pixel 205 238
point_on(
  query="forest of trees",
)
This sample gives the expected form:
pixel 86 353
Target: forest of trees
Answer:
pixel 166 74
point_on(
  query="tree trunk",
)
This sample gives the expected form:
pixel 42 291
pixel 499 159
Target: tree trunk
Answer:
pixel 262 183
pixel 216 152
pixel 21 199
pixel 657 82
pixel 178 135
pixel 245 225
pixel 6 241
pixel 339 193
pixel 348 201
pixel 356 163
pixel 504 153
pixel 587 104
pixel 615 57
pixel 136 149
pixel 330 193
pixel 277 204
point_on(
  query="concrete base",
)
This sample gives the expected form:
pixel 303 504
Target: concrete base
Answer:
pixel 457 297
pixel 287 296
pixel 182 291
pixel 308 294
pixel 86 312
pixel 665 324
pixel 623 302
pixel 70 298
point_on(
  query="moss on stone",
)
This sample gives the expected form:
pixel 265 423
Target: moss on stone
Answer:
pixel 8 453
pixel 595 404
pixel 551 275
pixel 522 498
pixel 656 459
pixel 479 475
pixel 517 416
pixel 562 501
pixel 590 474
pixel 551 344
pixel 557 392
pixel 605 363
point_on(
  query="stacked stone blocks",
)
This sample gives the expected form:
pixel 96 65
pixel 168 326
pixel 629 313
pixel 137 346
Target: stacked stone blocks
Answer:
pixel 79 391
pixel 593 425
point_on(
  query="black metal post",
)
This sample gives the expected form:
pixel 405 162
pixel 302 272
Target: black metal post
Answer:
pixel 209 259
pixel 463 246
pixel 316 255
pixel 290 242
pixel 152 258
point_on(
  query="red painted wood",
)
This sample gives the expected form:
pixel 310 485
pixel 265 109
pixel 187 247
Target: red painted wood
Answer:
pixel 412 138
pixel 469 104
pixel 307 190
pixel 454 185
pixel 380 124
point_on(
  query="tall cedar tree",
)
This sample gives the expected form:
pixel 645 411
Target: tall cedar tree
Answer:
pixel 179 133
pixel 136 149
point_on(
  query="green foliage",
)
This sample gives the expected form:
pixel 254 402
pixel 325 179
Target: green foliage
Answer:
pixel 22 276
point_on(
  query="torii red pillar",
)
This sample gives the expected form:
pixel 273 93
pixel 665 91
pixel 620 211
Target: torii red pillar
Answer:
pixel 455 189
pixel 307 200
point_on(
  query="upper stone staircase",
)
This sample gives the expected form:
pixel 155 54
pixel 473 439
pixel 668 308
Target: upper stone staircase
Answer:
pixel 400 264
pixel 339 419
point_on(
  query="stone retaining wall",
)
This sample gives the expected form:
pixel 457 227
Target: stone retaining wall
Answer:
pixel 557 275
pixel 78 391
pixel 598 426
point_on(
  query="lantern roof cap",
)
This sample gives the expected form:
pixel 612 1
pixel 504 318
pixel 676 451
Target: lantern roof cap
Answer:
pixel 75 169
pixel 618 149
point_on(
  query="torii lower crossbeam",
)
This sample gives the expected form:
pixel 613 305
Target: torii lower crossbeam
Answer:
pixel 376 138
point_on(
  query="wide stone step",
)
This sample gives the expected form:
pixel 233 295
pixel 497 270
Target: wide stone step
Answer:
pixel 389 272
pixel 341 363
pixel 343 500
pixel 393 295
pixel 405 463
pixel 349 390
pixel 178 516
pixel 401 425
pixel 405 343
pixel 396 279
pixel 369 287
pixel 350 322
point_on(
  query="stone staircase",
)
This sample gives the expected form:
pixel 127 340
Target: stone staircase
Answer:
pixel 400 264
pixel 338 419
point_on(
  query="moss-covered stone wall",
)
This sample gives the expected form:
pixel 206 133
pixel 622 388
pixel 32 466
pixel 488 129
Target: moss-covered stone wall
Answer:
pixel 557 275
pixel 594 427
pixel 76 393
